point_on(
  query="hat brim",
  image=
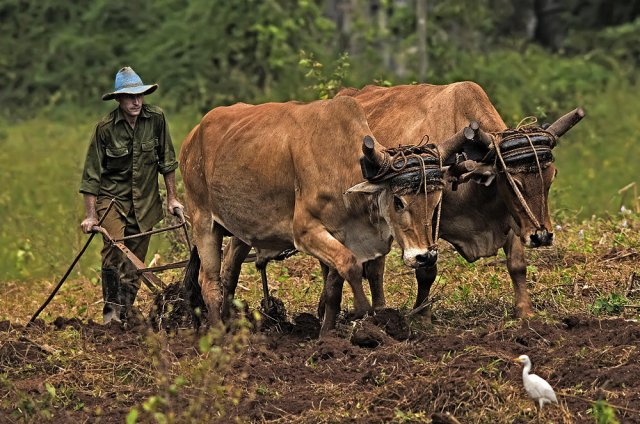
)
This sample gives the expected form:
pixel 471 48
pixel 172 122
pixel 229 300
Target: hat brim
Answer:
pixel 141 89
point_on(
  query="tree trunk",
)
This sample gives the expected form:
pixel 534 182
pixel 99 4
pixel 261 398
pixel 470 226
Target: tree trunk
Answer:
pixel 383 34
pixel 421 23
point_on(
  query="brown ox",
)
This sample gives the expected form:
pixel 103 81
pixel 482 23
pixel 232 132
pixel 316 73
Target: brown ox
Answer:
pixel 275 176
pixel 507 210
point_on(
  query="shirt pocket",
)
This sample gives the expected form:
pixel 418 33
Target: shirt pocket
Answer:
pixel 117 158
pixel 149 151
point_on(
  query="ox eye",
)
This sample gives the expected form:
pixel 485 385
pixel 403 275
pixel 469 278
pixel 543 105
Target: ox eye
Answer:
pixel 398 204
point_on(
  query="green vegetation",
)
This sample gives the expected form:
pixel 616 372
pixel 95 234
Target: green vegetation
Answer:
pixel 206 53
pixel 60 56
pixel 603 413
pixel 611 304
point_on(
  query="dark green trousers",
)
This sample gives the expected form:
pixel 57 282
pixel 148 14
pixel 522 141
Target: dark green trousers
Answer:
pixel 120 281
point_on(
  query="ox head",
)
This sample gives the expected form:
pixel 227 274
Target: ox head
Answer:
pixel 521 163
pixel 408 183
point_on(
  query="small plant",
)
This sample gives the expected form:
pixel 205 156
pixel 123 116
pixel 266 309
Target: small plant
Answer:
pixel 492 369
pixel 28 407
pixel 611 304
pixel 409 416
pixel 381 378
pixel 603 413
pixel 195 391
pixel 462 293
pixel 262 390
pixel 494 281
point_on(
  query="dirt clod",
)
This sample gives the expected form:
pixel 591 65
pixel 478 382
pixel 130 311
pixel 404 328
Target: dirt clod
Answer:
pixel 61 323
pixel 366 334
pixel 306 325
pixel 273 312
pixel 393 323
pixel 5 325
pixel 170 309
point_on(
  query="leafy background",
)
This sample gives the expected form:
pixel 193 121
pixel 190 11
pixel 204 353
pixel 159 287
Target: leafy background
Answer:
pixel 537 57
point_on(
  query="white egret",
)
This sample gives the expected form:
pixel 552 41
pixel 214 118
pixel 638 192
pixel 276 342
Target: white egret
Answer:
pixel 537 388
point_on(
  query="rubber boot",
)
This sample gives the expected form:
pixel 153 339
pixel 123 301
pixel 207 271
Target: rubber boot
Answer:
pixel 110 295
pixel 128 293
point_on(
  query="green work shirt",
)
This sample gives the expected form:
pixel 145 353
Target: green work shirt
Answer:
pixel 124 163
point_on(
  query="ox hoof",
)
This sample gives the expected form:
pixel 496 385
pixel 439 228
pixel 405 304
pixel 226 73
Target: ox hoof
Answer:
pixel 524 312
pixel 378 308
pixel 425 317
pixel 358 314
pixel 327 329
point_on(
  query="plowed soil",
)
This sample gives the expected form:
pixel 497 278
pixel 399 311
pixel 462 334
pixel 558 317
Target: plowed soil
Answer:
pixel 384 368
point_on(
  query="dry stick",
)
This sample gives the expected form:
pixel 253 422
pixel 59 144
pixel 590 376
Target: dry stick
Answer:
pixel 624 255
pixel 63 279
pixel 44 348
pixel 630 288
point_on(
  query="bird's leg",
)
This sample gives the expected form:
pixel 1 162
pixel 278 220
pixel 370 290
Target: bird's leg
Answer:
pixel 538 411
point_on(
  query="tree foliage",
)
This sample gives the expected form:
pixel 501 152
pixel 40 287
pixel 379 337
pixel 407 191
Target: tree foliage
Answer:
pixel 211 52
pixel 533 57
pixel 203 52
pixel 325 85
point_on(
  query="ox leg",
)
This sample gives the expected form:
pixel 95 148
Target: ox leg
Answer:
pixel 425 278
pixel 234 255
pixel 323 296
pixel 333 300
pixel 312 237
pixel 517 266
pixel 374 273
pixel 208 235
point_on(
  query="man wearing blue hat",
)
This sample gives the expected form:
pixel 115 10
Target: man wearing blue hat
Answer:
pixel 128 149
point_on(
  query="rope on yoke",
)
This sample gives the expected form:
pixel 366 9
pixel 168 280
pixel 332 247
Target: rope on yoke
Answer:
pixel 516 157
pixel 409 169
pixel 413 169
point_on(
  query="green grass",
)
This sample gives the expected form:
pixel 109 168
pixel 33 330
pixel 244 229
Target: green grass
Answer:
pixel 596 158
pixel 41 163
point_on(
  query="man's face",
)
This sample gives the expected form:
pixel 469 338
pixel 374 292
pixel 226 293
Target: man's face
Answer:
pixel 131 104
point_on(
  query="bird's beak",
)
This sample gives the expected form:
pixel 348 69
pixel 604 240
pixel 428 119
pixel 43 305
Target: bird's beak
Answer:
pixel 516 360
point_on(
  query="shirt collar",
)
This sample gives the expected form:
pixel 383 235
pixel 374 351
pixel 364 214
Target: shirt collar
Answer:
pixel 119 116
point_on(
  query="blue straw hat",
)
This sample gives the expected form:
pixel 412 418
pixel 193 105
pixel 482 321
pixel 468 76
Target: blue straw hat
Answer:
pixel 128 82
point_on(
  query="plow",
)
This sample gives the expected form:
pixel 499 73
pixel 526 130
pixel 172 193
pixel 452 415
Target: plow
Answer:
pixel 271 308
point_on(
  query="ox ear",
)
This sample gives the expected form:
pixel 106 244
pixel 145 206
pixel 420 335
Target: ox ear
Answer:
pixel 366 187
pixel 471 170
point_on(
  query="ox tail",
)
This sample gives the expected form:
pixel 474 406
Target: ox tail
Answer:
pixel 192 287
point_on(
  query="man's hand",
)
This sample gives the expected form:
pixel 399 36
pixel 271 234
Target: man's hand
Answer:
pixel 88 223
pixel 172 201
pixel 172 204
pixel 91 218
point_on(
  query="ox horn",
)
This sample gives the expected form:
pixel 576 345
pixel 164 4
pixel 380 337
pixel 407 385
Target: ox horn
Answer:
pixel 370 152
pixel 480 135
pixel 462 167
pixel 455 142
pixel 566 122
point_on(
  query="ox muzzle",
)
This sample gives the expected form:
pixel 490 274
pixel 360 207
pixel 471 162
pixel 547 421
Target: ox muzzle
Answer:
pixel 427 260
pixel 541 238
pixel 421 259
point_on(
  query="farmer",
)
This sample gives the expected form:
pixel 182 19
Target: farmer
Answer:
pixel 128 149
